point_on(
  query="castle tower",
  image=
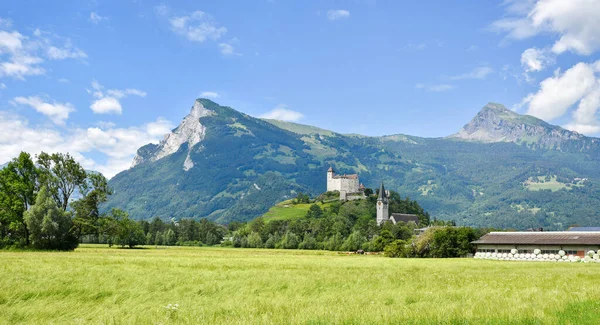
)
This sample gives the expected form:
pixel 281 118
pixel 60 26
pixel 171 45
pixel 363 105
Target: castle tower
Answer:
pixel 382 206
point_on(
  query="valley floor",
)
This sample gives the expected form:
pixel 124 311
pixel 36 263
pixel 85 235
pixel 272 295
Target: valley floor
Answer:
pixel 96 284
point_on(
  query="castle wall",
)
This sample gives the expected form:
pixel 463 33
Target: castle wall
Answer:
pixel 333 184
pixel 349 185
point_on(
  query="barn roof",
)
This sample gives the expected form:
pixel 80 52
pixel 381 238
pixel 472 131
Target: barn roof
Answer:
pixel 402 217
pixel 584 229
pixel 541 238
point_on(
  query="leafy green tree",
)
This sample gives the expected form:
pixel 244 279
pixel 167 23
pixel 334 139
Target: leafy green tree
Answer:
pixel 309 242
pixel 314 212
pixel 170 238
pixel 18 187
pixel 397 248
pixel 368 191
pixel 62 175
pixel 272 241
pixel 452 242
pixel 354 241
pixel 49 226
pixel 87 209
pixel 290 241
pixel 254 240
pixel 129 232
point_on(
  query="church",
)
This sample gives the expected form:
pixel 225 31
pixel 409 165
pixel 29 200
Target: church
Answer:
pixel 383 213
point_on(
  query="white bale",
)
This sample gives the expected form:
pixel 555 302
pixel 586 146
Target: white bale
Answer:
pixel 561 252
pixel 527 255
pixel 536 251
pixel 577 259
pixel 596 256
pixel 551 256
pixel 488 254
pixel 514 251
pixel 591 253
pixel 504 255
pixel 545 256
pixel 565 258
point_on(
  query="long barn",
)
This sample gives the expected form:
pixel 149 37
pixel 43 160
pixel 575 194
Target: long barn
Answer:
pixel 550 242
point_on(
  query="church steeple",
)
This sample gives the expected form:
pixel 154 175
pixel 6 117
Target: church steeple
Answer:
pixel 382 206
pixel 382 194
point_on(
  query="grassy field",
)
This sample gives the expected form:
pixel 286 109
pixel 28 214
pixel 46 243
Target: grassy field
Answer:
pixel 99 285
pixel 286 210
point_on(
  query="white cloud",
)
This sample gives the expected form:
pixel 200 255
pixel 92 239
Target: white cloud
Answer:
pixel 534 59
pixel 122 93
pixel 337 14
pixel 117 145
pixel 57 112
pixel 228 49
pixel 10 42
pixel 197 27
pixel 281 112
pixel 95 18
pixel 477 73
pixel 20 56
pixel 209 94
pixel 109 102
pixel 107 105
pixel 574 22
pixel 558 93
pixel 2 85
pixel 435 87
pixel 584 117
pixel 62 80
pixel 55 53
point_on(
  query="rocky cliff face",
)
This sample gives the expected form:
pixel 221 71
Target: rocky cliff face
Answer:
pixel 190 131
pixel 496 123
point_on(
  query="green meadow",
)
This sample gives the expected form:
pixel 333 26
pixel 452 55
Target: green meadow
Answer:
pixel 100 285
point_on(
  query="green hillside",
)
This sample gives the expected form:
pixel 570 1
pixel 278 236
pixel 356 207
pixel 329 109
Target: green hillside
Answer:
pixel 286 210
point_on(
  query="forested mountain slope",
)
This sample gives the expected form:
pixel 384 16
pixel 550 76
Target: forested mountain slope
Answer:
pixel 502 169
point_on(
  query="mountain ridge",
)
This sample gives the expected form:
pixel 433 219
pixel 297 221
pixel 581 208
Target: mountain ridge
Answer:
pixel 224 165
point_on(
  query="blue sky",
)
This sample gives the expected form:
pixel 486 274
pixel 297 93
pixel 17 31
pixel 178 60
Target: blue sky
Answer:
pixel 101 78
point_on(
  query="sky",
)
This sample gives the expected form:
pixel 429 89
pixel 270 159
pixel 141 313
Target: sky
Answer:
pixel 99 79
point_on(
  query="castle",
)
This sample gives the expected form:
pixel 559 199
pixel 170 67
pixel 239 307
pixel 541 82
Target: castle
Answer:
pixel 345 184
pixel 349 184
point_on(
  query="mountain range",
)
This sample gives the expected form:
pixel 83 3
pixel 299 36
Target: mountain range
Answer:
pixel 502 169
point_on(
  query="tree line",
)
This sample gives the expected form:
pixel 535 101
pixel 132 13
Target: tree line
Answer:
pixel 53 203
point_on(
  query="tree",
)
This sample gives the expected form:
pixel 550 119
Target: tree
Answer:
pixel 49 226
pixel 309 242
pixel 314 212
pixel 129 232
pixel 254 240
pixel 354 241
pixel 290 241
pixel 18 187
pixel 397 248
pixel 62 175
pixel 368 192
pixel 87 209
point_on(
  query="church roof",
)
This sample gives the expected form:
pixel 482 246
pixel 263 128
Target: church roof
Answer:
pixel 330 169
pixel 382 194
pixel 403 217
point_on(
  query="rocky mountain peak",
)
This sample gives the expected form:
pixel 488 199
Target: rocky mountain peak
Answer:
pixel 190 131
pixel 496 123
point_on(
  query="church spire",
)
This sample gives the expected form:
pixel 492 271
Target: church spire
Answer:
pixel 382 194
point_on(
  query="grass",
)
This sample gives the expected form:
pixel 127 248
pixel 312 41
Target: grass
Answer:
pixel 286 210
pixel 99 285
pixel 553 185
